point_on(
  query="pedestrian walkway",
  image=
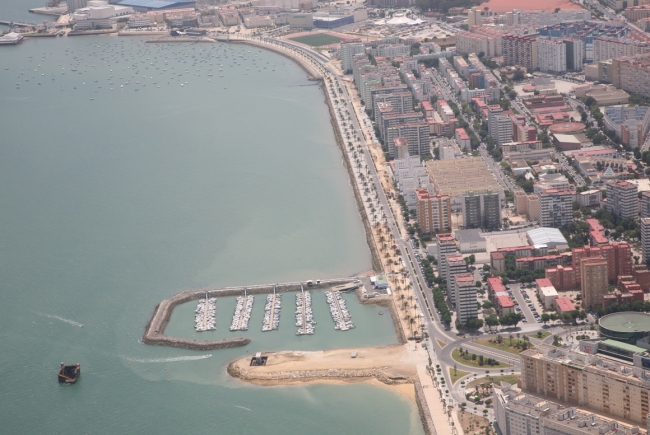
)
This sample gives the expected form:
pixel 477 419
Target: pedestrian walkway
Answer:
pixel 434 402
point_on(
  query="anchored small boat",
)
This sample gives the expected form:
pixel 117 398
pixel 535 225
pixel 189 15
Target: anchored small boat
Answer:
pixel 68 374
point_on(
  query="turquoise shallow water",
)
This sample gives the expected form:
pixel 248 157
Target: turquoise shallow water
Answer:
pixel 112 204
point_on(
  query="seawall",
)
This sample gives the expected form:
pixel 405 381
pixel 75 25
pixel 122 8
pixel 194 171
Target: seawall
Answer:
pixel 312 73
pixel 154 333
pixel 423 410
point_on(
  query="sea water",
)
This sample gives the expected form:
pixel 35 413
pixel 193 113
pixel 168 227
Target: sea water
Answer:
pixel 113 199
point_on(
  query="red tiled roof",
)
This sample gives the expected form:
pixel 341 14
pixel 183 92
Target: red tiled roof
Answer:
pixel 564 304
pixel 505 302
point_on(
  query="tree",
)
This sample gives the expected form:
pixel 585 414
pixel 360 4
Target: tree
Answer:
pixel 491 321
pixel 545 318
pixel 518 75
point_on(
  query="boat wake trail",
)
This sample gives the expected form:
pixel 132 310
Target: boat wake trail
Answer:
pixel 171 359
pixel 68 321
pixel 237 406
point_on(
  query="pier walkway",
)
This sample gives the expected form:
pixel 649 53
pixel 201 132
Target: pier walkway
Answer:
pixel 304 316
pixel 242 312
pixel 272 312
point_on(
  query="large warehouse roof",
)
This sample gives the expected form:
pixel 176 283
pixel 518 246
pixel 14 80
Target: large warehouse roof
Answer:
pixel 546 236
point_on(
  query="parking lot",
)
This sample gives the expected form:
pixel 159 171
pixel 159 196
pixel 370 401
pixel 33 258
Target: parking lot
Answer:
pixel 525 298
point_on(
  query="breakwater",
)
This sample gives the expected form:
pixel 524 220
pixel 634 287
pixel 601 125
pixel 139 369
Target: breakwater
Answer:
pixel 423 409
pixel 314 375
pixel 154 333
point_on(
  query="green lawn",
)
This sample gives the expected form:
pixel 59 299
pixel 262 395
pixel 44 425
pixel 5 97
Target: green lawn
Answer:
pixel 468 362
pixel 504 346
pixel 511 379
pixel 458 374
pixel 544 335
pixel 317 39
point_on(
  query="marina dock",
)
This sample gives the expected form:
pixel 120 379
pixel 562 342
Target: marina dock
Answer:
pixel 304 316
pixel 204 314
pixel 338 310
pixel 242 312
pixel 272 312
pixel 154 333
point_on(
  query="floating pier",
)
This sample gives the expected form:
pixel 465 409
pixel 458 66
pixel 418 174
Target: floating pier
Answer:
pixel 242 312
pixel 272 312
pixel 204 314
pixel 304 316
pixel 338 310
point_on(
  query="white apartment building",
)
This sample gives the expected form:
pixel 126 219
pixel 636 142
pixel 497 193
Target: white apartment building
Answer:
pixel 551 56
pixel 607 47
pixel 464 290
pixel 410 176
pixel 622 199
pixel 390 50
pixel 555 207
pixel 348 50
pixel 518 413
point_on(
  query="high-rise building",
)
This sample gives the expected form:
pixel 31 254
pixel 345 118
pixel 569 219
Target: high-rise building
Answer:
pixel 630 73
pixel 481 39
pixel 464 290
pixel 445 244
pixel 503 129
pixel 579 379
pixel 433 212
pixel 416 135
pixel 618 257
pixel 454 265
pixel 606 47
pixel 482 209
pixel 622 199
pixel 575 54
pixel 551 56
pixel 517 413
pixel 499 125
pixel 474 17
pixel 493 111
pixel 348 50
pixel 555 207
pixel 521 51
pixel 593 275
pixel 645 238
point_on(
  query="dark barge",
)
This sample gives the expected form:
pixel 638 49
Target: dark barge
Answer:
pixel 68 374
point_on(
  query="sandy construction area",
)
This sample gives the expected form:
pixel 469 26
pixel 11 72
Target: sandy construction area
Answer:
pixel 539 5
pixel 393 360
pixel 386 361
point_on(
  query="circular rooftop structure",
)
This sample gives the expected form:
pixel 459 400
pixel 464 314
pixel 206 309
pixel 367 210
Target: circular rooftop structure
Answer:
pixel 567 128
pixel 628 326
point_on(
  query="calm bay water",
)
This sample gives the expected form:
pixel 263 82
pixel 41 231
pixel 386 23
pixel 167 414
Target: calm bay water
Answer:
pixel 110 205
